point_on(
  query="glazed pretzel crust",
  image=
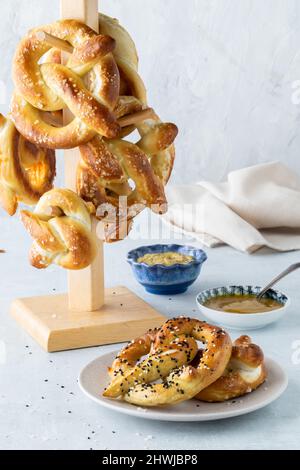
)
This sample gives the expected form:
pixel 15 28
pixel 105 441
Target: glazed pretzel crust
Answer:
pixel 163 356
pixel 26 171
pixel 61 229
pixel 121 178
pixel 245 372
pixel 131 84
pixel 181 381
pixel 99 84
pixel 126 57
pixel 51 86
pixel 107 166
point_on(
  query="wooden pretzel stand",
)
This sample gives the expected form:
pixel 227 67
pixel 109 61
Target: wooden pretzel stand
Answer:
pixel 88 315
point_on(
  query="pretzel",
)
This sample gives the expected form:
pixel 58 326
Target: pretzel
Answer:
pixel 26 171
pixel 101 87
pixel 61 229
pixel 180 380
pixel 165 355
pixel 50 87
pixel 131 84
pixel 107 166
pixel 245 372
pixel 121 178
pixel 126 57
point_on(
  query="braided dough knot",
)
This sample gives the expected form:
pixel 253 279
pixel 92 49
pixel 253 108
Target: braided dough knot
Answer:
pixel 171 351
pixel 121 178
pixel 88 85
pixel 26 171
pixel 61 229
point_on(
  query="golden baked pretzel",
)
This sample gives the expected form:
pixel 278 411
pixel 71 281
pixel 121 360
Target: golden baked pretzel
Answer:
pixel 61 229
pixel 107 168
pixel 126 57
pixel 26 171
pixel 122 178
pixel 165 354
pixel 100 85
pixel 172 350
pixel 88 85
pixel 131 84
pixel 245 372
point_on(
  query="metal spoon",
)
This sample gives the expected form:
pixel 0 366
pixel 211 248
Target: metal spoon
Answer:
pixel 284 273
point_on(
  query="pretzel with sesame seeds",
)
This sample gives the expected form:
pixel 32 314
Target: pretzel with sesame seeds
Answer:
pixel 88 85
pixel 170 355
pixel 26 171
pixel 245 372
pixel 164 354
pixel 61 229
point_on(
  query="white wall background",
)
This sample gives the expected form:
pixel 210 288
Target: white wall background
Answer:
pixel 226 71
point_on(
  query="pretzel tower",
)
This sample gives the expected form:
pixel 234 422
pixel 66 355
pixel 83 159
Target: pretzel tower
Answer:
pixel 89 315
pixel 90 280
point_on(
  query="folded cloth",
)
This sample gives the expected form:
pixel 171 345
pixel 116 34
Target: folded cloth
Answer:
pixel 257 206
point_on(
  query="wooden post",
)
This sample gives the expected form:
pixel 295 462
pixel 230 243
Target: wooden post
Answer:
pixel 85 287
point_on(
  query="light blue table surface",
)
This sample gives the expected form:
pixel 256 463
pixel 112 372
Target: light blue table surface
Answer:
pixel 41 406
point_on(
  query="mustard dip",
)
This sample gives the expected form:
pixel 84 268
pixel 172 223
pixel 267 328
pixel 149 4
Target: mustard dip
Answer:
pixel 242 304
pixel 169 258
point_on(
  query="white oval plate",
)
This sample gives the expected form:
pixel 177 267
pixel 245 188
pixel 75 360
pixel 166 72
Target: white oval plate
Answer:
pixel 94 378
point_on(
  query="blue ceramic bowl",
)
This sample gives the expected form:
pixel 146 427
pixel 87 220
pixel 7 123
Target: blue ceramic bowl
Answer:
pixel 166 280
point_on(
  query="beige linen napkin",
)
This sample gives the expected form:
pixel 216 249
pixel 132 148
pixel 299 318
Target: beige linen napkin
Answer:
pixel 257 206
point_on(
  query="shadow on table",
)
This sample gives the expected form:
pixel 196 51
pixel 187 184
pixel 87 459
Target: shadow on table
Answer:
pixel 271 426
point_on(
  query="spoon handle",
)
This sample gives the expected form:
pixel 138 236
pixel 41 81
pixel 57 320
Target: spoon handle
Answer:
pixel 284 273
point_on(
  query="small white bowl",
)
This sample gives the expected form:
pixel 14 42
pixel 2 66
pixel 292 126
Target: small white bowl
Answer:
pixel 241 321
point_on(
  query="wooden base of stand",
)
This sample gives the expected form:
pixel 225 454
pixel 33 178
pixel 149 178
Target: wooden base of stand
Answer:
pixel 49 321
